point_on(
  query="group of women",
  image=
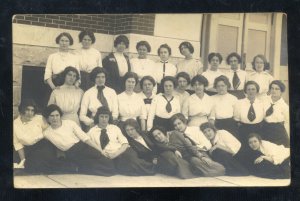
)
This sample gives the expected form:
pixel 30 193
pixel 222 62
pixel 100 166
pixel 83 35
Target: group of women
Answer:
pixel 139 117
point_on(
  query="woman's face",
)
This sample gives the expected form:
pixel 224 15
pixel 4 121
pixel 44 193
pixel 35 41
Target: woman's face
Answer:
pixel 64 43
pixel 209 133
pixel 182 83
pixel 234 63
pixel 275 90
pixel 221 88
pixel 54 119
pixel 121 47
pixel 103 120
pixel 259 64
pixel 142 51
pixel 100 79
pixel 179 125
pixel 29 113
pixel 199 88
pixel 86 42
pixel 70 78
pixel 168 87
pixel 131 131
pixel 251 91
pixel 164 54
pixel 147 86
pixel 185 51
pixel 130 84
pixel 159 136
pixel 254 143
pixel 214 63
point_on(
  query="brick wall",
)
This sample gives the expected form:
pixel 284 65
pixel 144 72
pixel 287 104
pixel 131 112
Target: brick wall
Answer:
pixel 107 24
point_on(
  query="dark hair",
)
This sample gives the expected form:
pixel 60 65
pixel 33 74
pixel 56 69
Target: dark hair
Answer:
pixel 97 71
pixel 208 125
pixel 66 34
pixel 133 123
pixel 168 78
pixel 184 75
pixel 251 135
pixel 164 46
pixel 187 45
pixel 67 70
pixel 143 43
pixel 215 54
pixel 27 103
pixel 224 79
pixel 201 79
pixel 147 77
pixel 102 110
pixel 131 75
pixel 179 116
pixel 266 63
pixel 121 38
pixel 86 33
pixel 51 108
pixel 278 83
pixel 251 83
pixel 160 128
pixel 233 54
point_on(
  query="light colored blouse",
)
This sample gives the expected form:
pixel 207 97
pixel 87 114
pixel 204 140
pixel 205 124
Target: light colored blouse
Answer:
pixel 89 59
pixel 68 98
pixel 122 64
pixel 192 67
pixel 277 152
pixel 142 96
pixel 226 139
pixel 143 67
pixel 194 133
pixel 223 107
pixel 170 70
pixel 182 97
pixel 263 79
pixel 211 76
pixel 242 107
pixel 242 76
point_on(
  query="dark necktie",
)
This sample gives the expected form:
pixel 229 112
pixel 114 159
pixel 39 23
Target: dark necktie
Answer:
pixel 104 140
pixel 168 106
pixel 251 113
pixel 101 96
pixel 236 81
pixel 164 67
pixel 147 100
pixel 270 110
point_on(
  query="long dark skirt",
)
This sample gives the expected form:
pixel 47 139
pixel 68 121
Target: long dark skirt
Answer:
pixel 86 82
pixel 89 160
pixel 238 93
pixel 229 125
pixel 233 166
pixel 128 163
pixel 267 169
pixel 276 133
pixel 246 129
pixel 162 122
pixel 170 164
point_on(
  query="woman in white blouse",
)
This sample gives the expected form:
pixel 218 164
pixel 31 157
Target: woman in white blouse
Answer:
pixel 89 57
pixel 129 104
pixel 268 160
pixel 184 81
pixel 58 61
pixel 223 108
pixel 276 122
pixel 68 96
pixel 226 149
pixel 198 107
pixel 261 76
pixel 68 137
pixel 141 65
pixel 213 72
pixel 164 105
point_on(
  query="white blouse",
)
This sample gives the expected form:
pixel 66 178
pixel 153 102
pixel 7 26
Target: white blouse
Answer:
pixel 89 59
pixel 277 152
pixel 58 61
pixel 182 97
pixel 141 140
pixel 226 139
pixel 211 76
pixel 170 70
pixel 122 63
pixel 143 67
pixel 263 79
pixel 131 107
pixel 223 107
pixel 142 96
pixel 198 137
pixel 242 107
pixel 64 137
pixel 192 67
pixel 242 76
pixel 28 133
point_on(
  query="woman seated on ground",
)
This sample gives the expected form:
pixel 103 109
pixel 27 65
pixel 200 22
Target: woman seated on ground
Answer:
pixel 183 80
pixel 68 96
pixel 224 102
pixel 226 149
pixel 268 159
pixel 129 104
pixel 174 141
pixel 115 146
pixel 35 153
pixel 79 149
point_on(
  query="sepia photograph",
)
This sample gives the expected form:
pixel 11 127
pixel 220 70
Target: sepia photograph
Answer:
pixel 150 100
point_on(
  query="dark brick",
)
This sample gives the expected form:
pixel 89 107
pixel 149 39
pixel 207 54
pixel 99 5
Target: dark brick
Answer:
pixel 90 22
pixel 79 21
pixel 38 15
pixel 45 20
pixel 19 17
pixel 69 19
pixel 59 22
pixel 52 17
pixel 23 22
pixel 83 26
pixel 52 25
pixel 65 27
pixel 85 17
pixel 36 19
pixel 38 23
pixel 72 24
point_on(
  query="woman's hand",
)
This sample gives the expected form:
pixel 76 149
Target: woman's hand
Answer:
pixel 154 161
pixel 259 160
pixel 178 154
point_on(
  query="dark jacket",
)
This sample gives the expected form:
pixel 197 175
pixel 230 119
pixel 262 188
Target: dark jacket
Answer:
pixel 113 79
